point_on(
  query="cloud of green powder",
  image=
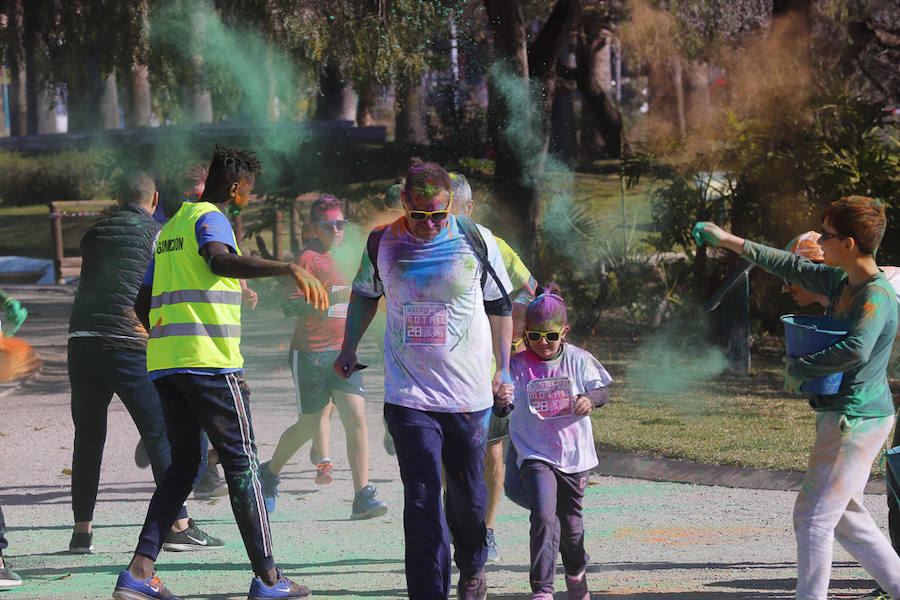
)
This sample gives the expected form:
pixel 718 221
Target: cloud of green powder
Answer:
pixel 674 361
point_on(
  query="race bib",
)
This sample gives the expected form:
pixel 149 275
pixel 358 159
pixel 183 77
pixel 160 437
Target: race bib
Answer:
pixel 338 310
pixel 425 324
pixel 551 398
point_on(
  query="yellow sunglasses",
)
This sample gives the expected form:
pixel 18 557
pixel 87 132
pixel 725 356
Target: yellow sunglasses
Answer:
pixel 436 215
pixel 535 336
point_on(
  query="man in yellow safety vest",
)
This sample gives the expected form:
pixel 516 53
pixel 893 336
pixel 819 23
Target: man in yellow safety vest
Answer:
pixel 190 303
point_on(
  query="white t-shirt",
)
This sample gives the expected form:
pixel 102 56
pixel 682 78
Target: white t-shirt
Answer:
pixel 437 341
pixel 542 426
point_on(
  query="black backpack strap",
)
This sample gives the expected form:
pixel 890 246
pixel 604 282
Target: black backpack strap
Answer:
pixel 372 244
pixel 473 234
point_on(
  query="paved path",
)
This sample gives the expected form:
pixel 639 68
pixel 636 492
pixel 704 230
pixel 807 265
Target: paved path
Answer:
pixel 653 540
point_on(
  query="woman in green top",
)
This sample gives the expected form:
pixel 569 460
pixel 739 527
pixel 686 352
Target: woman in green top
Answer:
pixel 853 424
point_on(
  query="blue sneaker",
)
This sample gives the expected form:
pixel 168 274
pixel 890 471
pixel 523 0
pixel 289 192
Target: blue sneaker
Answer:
pixel 365 506
pixel 283 588
pixel 269 482
pixel 130 588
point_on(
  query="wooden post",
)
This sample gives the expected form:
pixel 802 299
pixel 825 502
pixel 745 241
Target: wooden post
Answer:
pixel 56 240
pixel 296 233
pixel 277 234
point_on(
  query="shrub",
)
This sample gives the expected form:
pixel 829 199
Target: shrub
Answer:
pixel 69 175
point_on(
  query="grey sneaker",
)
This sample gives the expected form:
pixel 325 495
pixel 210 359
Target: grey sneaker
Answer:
pixel 473 587
pixel 493 553
pixel 8 577
pixel 211 485
pixel 192 538
pixel 365 506
pixel 82 543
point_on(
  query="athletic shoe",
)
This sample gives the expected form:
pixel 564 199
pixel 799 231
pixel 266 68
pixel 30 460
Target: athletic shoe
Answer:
pixel 210 485
pixel 141 458
pixel 577 587
pixel 82 543
pixel 389 443
pixel 8 577
pixel 192 538
pixel 269 481
pixel 876 594
pixel 493 554
pixel 324 472
pixel 365 506
pixel 541 596
pixel 472 588
pixel 283 588
pixel 128 587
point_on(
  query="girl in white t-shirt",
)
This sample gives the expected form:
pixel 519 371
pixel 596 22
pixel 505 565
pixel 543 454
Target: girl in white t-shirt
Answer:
pixel 557 385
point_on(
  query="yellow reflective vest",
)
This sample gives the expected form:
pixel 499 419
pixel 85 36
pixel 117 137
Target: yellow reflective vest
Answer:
pixel 195 315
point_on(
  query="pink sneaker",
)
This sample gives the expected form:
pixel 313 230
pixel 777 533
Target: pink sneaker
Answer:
pixel 324 472
pixel 577 587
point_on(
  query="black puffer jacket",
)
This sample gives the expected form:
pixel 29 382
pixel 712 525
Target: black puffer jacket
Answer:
pixel 115 253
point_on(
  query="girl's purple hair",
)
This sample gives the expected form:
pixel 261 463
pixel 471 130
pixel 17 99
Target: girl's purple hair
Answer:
pixel 548 308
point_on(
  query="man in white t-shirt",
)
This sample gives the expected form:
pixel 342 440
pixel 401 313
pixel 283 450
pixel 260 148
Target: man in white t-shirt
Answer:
pixel 444 320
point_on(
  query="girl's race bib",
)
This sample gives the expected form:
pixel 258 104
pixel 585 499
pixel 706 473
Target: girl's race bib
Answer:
pixel 425 324
pixel 551 398
pixel 338 310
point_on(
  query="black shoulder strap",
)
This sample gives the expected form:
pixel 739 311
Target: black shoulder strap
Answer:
pixel 372 250
pixel 473 234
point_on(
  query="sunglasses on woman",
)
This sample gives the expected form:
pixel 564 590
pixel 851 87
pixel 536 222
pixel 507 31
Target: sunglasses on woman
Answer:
pixel 332 225
pixel 436 216
pixel 535 336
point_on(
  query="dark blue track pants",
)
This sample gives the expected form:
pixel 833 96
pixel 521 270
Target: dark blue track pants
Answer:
pixel 220 406
pixel 423 441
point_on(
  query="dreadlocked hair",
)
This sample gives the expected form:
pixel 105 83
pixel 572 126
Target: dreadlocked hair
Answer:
pixel 228 166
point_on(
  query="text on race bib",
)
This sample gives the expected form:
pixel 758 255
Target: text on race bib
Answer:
pixel 425 324
pixel 551 398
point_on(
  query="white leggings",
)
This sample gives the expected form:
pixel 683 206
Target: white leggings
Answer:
pixel 830 505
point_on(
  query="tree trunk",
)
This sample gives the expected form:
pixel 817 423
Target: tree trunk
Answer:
pixel 678 82
pixel 18 99
pixel 364 107
pixel 409 117
pixel 601 119
pixel 4 130
pixel 197 95
pixel 336 100
pixel 84 95
pixel 46 110
pixel 508 78
pixel 137 113
pixel 697 97
pixel 521 92
pixel 32 80
pixel 109 103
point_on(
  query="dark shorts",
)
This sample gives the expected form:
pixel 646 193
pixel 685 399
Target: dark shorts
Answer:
pixel 496 427
pixel 314 379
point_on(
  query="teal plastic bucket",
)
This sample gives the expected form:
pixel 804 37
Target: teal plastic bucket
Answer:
pixel 805 334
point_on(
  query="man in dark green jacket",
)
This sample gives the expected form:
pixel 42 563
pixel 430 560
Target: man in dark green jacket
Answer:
pixel 108 355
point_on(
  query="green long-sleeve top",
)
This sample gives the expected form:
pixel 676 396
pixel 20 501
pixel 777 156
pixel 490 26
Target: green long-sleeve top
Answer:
pixel 870 310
